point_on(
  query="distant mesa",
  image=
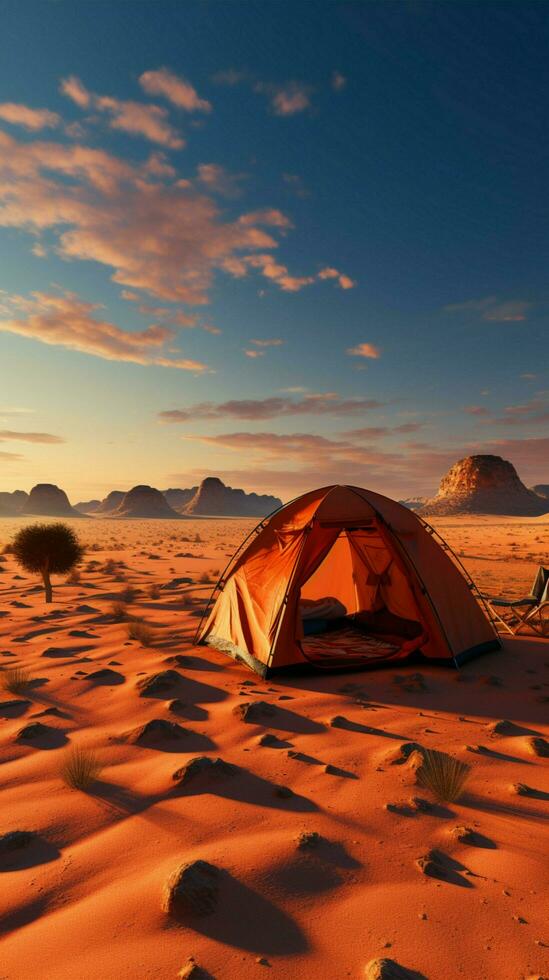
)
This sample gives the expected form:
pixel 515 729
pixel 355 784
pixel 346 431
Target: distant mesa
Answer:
pixel 111 502
pixel 11 504
pixel 484 485
pixel 178 499
pixel 143 501
pixel 542 490
pixel 88 506
pixel 213 499
pixel 47 500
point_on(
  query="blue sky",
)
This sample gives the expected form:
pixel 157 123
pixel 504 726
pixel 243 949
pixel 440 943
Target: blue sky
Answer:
pixel 289 244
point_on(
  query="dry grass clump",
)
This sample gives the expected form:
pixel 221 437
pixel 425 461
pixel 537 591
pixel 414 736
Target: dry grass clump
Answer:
pixel 128 595
pixel 154 592
pixel 138 630
pixel 80 768
pixel 119 612
pixel 74 577
pixel 443 775
pixel 205 578
pixel 15 680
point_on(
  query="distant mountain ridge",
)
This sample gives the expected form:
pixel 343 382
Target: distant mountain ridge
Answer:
pixel 213 499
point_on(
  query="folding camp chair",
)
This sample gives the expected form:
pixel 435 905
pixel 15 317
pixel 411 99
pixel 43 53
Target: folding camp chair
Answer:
pixel 530 611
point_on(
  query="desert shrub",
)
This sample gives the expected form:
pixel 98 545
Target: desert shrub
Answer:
pixel 443 775
pixel 119 612
pixel 80 768
pixel 74 577
pixel 48 549
pixel 109 567
pixel 7 549
pixel 204 578
pixel 154 591
pixel 15 680
pixel 128 595
pixel 216 572
pixel 140 631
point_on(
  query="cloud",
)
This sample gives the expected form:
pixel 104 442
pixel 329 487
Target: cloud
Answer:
pixel 271 342
pixel 217 180
pixel 491 309
pixel 296 184
pixel 345 282
pixel 328 403
pixel 39 437
pixel 67 321
pixel 288 99
pixel 155 235
pixel 338 81
pixel 31 119
pixel 476 410
pixel 136 118
pixel 174 88
pixel 365 350
pixel 10 457
pixel 230 77
pixel 73 88
pixel 254 353
pixel 376 432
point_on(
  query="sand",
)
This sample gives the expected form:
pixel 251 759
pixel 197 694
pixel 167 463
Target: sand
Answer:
pixel 86 897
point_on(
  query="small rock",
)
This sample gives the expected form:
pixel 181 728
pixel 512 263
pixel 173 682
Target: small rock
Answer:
pixel 202 767
pixel 272 741
pixel 35 729
pixel 155 730
pixel 157 684
pixel 254 711
pixel 386 969
pixel 192 890
pixel 538 746
pixel 466 835
pixel 192 971
pixel 308 839
pixel 504 727
pixel 397 757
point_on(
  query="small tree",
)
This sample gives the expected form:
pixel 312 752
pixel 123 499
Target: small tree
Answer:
pixel 50 549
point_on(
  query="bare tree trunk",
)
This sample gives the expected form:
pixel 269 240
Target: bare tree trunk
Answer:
pixel 47 583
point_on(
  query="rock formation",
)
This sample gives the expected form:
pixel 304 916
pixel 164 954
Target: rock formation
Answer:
pixel 414 503
pixel 87 506
pixel 214 499
pixel 143 501
pixel 47 500
pixel 12 504
pixel 179 498
pixel 111 502
pixel 542 490
pixel 484 485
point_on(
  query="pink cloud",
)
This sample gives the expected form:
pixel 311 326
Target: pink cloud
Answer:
pixel 136 118
pixel 272 342
pixel 73 88
pixel 39 437
pixel 365 350
pixel 10 457
pixel 216 179
pixel 345 282
pixel 338 81
pixel 491 309
pixel 287 100
pixel 174 88
pixel 31 119
pixel 67 321
pixel 254 353
pixel 476 410
pixel 328 403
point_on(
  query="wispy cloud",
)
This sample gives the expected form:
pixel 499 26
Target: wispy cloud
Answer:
pixel 216 179
pixel 10 457
pixel 288 99
pixel 338 81
pixel 137 118
pixel 177 90
pixel 492 309
pixel 269 342
pixel 7 435
pixel 67 321
pixel 327 403
pixel 365 349
pixel 344 281
pixel 31 119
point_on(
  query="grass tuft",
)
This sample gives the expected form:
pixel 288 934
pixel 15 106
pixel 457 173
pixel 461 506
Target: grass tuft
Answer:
pixel 138 630
pixel 15 680
pixel 80 768
pixel 443 775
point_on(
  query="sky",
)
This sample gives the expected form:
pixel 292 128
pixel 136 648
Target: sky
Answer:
pixel 285 244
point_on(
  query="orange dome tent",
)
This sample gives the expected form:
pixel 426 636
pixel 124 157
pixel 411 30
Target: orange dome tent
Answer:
pixel 345 578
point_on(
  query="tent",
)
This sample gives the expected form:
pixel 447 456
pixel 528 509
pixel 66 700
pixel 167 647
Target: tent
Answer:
pixel 342 577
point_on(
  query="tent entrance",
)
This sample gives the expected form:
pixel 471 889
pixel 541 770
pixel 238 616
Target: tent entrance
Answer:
pixel 357 607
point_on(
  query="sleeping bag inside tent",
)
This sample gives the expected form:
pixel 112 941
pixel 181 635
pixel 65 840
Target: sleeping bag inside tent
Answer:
pixel 344 578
